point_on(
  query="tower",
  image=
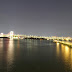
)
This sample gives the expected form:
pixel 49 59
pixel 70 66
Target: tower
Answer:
pixel 11 34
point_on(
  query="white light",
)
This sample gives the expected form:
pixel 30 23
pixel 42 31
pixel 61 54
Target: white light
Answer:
pixel 1 33
pixel 11 33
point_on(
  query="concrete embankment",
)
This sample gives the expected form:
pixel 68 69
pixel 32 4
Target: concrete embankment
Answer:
pixel 64 42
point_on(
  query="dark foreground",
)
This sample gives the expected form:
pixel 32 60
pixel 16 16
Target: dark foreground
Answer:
pixel 34 56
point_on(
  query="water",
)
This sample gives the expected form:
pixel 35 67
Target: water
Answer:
pixel 34 56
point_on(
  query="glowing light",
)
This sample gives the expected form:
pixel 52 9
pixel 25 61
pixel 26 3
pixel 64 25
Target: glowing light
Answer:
pixel 11 34
pixel 2 34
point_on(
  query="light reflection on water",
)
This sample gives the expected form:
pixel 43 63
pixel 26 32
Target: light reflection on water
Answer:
pixel 6 54
pixel 67 56
pixel 10 54
pixel 58 49
pixel 34 56
pixel 1 50
pixel 65 53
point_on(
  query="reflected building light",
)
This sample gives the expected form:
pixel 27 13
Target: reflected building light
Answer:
pixel 66 49
pixel 1 50
pixel 63 49
pixel 71 59
pixel 57 49
pixel 18 48
pixel 66 54
pixel 10 53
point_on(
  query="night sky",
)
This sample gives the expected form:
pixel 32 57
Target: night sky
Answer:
pixel 36 17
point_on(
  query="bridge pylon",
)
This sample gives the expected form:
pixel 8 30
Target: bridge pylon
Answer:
pixel 11 34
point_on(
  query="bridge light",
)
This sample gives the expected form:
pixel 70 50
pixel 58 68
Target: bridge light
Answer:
pixel 11 33
pixel 2 34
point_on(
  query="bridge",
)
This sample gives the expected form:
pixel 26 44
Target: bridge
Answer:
pixel 9 35
pixel 16 36
pixel 63 40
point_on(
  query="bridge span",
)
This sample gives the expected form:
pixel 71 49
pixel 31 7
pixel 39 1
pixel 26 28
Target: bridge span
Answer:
pixel 63 40
pixel 16 36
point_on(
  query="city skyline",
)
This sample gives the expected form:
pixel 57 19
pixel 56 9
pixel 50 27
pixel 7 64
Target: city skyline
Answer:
pixel 40 17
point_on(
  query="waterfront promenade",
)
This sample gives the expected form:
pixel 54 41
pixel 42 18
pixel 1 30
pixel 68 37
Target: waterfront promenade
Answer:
pixel 64 42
